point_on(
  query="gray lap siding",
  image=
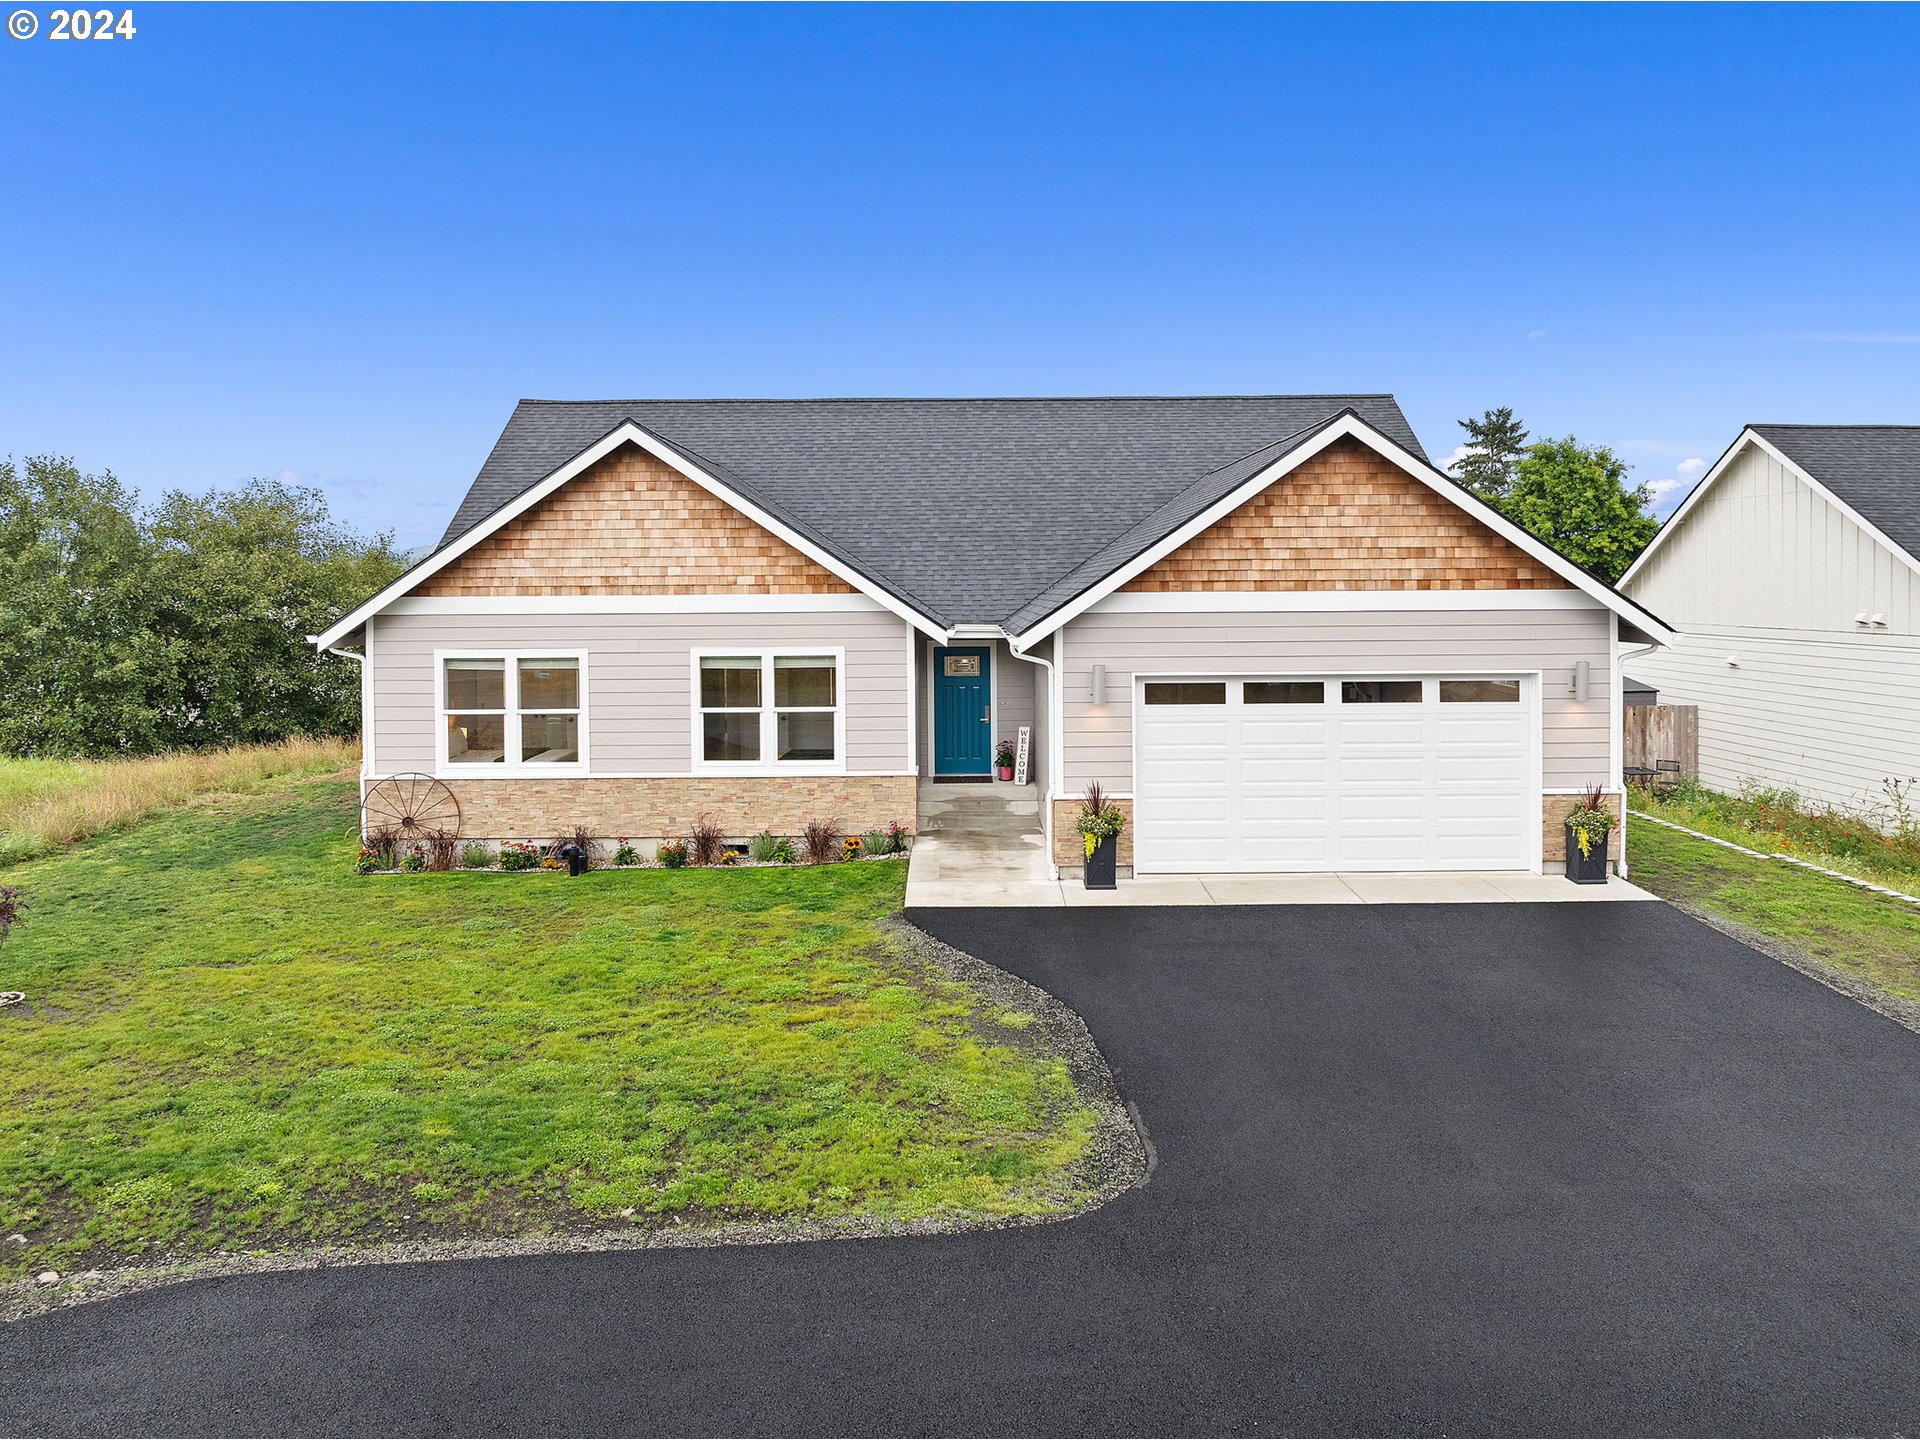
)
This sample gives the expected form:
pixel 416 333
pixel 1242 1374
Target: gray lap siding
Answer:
pixel 639 687
pixel 1576 741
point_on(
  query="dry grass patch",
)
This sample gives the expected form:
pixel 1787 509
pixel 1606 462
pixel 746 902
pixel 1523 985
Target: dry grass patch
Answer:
pixel 46 804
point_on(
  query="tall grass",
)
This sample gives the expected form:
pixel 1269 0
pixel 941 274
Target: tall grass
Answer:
pixel 45 804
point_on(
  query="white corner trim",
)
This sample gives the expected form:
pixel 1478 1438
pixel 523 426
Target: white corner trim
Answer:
pixel 1276 601
pixel 1351 426
pixel 1749 436
pixel 627 433
pixel 633 605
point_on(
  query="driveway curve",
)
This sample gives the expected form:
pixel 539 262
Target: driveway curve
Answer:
pixel 1499 1169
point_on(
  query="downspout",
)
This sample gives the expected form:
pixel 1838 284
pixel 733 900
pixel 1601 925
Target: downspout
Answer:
pixel 1055 750
pixel 366 711
pixel 1620 721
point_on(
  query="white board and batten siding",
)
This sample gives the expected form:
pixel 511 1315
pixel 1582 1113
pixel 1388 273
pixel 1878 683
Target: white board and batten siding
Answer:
pixel 639 679
pixel 1576 739
pixel 1764 577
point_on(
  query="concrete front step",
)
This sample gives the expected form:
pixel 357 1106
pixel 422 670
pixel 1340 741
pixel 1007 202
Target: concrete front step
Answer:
pixel 1002 811
pixel 984 825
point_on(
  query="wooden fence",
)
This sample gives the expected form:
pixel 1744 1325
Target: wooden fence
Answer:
pixel 1662 738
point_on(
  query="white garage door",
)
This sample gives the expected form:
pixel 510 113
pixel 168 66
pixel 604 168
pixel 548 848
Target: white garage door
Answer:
pixel 1334 774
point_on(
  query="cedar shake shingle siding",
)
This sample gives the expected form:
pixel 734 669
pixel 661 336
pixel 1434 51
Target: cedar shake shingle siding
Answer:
pixel 1348 519
pixel 633 526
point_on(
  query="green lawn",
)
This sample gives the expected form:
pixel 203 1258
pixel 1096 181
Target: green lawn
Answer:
pixel 1866 935
pixel 232 1041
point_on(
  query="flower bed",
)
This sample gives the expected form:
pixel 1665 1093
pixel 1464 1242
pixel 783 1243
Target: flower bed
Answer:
pixel 705 848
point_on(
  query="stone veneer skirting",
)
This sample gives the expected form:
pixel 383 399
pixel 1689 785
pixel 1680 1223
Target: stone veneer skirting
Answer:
pixel 1070 851
pixel 667 808
pixel 1069 854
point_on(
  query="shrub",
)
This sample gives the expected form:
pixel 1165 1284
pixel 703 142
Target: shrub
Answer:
pixel 771 849
pixel 624 853
pixel 705 843
pixel 439 849
pixel 12 903
pixel 673 854
pixel 890 841
pixel 413 859
pixel 379 851
pixel 475 856
pixel 820 842
pixel 580 836
pixel 518 855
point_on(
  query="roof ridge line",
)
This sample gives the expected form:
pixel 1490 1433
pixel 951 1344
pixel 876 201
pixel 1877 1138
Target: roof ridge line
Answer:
pixel 949 399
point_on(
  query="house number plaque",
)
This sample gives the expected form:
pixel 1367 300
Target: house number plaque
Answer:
pixel 962 664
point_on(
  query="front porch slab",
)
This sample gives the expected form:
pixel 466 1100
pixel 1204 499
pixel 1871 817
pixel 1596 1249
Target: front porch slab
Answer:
pixel 1012 872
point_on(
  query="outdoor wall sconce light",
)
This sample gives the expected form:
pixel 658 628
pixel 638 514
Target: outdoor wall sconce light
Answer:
pixel 1099 684
pixel 1582 683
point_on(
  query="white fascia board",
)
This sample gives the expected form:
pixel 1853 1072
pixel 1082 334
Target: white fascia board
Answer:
pixel 625 434
pixel 632 605
pixel 1162 602
pixel 1356 428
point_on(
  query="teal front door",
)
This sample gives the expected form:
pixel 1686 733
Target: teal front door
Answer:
pixel 962 711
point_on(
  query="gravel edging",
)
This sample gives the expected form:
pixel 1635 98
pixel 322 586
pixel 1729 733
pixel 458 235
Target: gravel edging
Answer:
pixel 1902 1012
pixel 1117 1159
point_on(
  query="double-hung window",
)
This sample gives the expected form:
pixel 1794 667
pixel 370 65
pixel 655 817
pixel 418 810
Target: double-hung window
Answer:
pixel 513 712
pixel 768 710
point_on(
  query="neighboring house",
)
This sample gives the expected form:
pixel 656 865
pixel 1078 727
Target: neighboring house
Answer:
pixel 1791 569
pixel 1266 623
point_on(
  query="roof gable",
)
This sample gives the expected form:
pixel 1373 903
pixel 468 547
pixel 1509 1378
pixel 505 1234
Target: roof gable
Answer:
pixel 1212 499
pixel 632 524
pixel 1347 519
pixel 1869 473
pixel 969 507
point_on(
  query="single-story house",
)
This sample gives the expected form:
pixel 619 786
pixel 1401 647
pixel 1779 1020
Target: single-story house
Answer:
pixel 1793 569
pixel 1267 625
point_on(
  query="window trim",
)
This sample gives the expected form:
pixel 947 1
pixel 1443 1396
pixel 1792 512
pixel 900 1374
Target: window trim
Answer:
pixel 768 712
pixel 510 765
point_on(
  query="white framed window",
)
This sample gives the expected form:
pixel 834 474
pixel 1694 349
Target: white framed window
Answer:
pixel 763 711
pixel 512 712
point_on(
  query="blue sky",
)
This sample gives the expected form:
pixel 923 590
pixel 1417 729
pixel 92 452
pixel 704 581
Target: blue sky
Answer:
pixel 336 243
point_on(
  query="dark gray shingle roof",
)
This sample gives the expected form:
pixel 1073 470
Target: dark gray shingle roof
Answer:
pixel 967 509
pixel 1873 468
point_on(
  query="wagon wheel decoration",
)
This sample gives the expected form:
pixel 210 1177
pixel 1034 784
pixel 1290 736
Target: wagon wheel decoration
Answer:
pixel 414 805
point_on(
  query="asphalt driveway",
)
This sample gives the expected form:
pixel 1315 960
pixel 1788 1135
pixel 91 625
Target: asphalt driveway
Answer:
pixel 1487 1168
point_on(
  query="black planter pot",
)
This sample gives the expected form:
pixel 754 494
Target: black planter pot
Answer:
pixel 1589 869
pixel 1099 872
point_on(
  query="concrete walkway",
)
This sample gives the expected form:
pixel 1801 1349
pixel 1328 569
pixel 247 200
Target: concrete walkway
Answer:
pixel 981 845
pixel 951 871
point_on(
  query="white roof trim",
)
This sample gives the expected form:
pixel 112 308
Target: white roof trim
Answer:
pixel 1750 436
pixel 626 433
pixel 1358 429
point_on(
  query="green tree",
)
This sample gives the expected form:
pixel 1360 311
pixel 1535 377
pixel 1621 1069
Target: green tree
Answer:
pixel 245 576
pixel 81 665
pixel 1576 498
pixel 128 632
pixel 1495 443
